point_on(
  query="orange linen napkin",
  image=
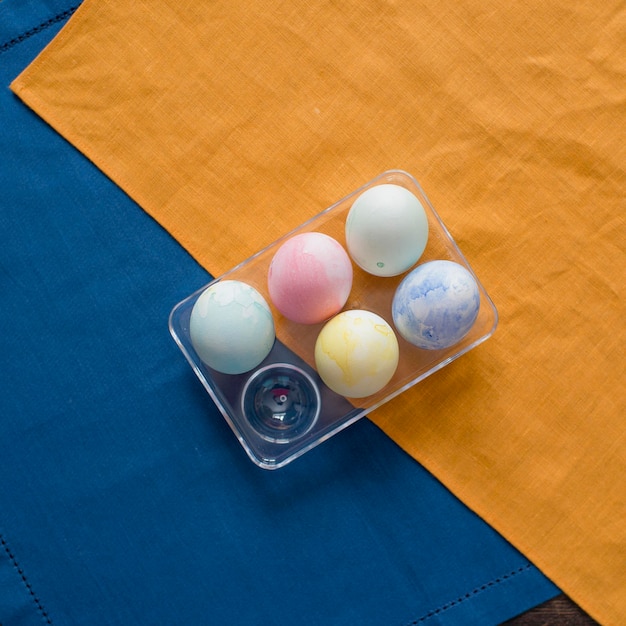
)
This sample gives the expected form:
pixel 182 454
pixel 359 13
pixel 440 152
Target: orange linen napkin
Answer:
pixel 232 122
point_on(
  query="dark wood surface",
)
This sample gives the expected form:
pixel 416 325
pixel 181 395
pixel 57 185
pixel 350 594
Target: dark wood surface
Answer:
pixel 559 611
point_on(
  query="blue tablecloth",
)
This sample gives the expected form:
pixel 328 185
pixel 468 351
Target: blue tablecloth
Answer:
pixel 125 498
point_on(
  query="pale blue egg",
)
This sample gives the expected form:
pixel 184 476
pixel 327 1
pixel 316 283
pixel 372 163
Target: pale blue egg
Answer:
pixel 436 305
pixel 386 230
pixel 231 327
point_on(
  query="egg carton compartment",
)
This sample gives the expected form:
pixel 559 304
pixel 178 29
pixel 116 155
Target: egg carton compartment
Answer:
pixel 282 408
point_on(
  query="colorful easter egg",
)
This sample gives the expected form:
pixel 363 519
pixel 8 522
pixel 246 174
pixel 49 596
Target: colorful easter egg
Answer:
pixel 231 327
pixel 436 305
pixel 356 353
pixel 310 278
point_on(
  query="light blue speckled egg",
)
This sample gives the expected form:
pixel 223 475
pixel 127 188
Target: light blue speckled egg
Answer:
pixel 231 327
pixel 436 305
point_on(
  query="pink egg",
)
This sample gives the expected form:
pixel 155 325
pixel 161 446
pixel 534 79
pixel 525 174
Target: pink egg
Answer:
pixel 310 278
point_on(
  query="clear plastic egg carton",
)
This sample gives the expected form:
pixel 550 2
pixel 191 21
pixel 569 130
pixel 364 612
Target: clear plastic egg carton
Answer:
pixel 281 409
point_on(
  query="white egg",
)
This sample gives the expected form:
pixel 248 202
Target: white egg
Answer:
pixel 386 230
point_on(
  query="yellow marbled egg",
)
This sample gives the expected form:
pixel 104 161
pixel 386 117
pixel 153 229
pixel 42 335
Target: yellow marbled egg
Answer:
pixel 356 353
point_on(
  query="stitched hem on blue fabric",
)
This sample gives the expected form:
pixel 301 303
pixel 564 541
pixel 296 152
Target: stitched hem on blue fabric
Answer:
pixel 10 39
pixel 24 599
pixel 456 603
